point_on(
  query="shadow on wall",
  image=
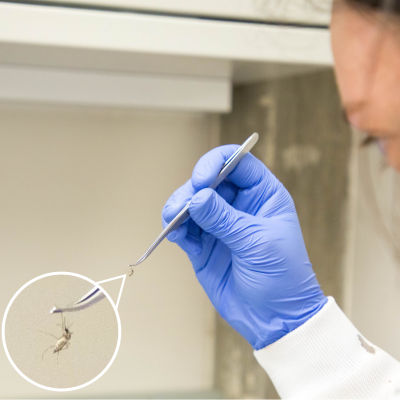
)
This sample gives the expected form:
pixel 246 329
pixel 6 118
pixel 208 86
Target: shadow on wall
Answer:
pixel 307 145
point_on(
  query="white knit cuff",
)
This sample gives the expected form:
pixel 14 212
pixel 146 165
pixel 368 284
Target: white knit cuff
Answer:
pixel 327 358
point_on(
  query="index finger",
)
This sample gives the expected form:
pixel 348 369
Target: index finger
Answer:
pixel 249 172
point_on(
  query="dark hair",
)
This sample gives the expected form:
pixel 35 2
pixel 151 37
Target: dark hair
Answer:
pixel 393 5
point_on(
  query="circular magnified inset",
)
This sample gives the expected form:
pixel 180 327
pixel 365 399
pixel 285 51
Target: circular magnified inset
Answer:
pixel 60 351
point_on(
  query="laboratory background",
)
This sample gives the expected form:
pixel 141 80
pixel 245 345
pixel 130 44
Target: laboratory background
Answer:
pixel 105 108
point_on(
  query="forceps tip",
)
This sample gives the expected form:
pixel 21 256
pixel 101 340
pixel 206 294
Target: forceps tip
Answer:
pixel 137 263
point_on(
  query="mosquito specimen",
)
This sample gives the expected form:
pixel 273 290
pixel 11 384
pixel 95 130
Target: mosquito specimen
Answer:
pixel 62 342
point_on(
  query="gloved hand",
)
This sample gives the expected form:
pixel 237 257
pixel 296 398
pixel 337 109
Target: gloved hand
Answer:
pixel 245 243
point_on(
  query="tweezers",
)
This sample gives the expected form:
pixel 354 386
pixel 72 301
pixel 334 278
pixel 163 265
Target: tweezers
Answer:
pixel 93 296
pixel 226 169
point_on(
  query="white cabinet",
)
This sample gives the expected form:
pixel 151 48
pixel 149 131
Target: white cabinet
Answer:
pixel 187 63
pixel 287 11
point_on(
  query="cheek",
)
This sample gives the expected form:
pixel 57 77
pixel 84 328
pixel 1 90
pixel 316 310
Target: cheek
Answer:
pixel 367 61
pixel 384 100
pixel 353 42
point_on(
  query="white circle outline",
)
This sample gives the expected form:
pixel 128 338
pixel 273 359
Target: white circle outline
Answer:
pixel 38 384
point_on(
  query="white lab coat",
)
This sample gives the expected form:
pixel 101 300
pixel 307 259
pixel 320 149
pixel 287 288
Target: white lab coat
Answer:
pixel 327 358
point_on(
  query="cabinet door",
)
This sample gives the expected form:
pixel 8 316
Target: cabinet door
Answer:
pixel 310 12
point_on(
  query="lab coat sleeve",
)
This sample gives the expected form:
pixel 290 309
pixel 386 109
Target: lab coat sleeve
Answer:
pixel 327 358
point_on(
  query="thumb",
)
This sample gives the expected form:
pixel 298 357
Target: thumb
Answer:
pixel 214 215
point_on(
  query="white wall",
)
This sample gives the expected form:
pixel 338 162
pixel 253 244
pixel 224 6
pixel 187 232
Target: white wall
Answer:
pixel 82 190
pixel 373 277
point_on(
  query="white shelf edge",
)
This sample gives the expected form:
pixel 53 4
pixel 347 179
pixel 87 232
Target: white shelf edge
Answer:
pixel 24 84
pixel 128 32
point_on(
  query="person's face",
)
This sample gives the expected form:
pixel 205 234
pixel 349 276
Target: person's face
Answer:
pixel 366 48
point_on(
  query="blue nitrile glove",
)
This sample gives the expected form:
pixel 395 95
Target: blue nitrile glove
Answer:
pixel 245 243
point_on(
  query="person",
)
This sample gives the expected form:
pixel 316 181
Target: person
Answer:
pixel 245 243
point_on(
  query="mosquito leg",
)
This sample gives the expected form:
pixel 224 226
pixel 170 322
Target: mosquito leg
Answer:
pixel 51 347
pixel 47 333
pixel 58 352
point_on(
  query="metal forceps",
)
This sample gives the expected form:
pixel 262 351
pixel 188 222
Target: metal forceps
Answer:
pixel 93 296
pixel 226 169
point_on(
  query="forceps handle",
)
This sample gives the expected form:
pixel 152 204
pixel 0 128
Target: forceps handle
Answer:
pixel 226 169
